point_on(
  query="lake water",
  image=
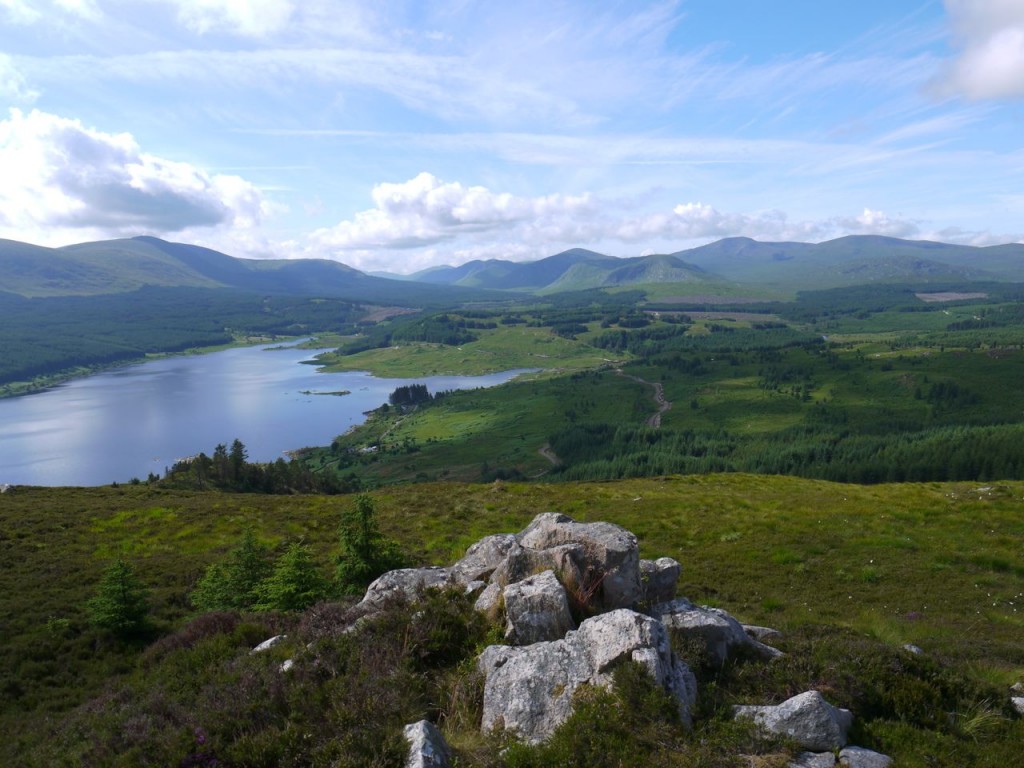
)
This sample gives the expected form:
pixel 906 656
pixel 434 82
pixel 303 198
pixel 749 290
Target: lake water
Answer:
pixel 131 421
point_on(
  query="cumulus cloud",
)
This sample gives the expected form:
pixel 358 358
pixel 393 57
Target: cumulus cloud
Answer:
pixel 251 18
pixel 425 211
pixel 59 174
pixel 990 34
pixel 876 223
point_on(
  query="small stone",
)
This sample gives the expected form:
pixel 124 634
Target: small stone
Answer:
pixel 266 645
pixel 427 747
pixel 858 757
pixel 762 634
pixel 814 760
pixel 914 649
pixel 1018 704
pixel 806 718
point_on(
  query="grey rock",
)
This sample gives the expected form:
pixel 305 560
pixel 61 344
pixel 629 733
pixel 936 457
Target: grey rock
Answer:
pixel 814 760
pixel 858 757
pixel 427 747
pixel 659 578
pixel 536 609
pixel 914 649
pixel 606 556
pixel 403 584
pixel 720 634
pixel 1018 704
pixel 1018 688
pixel 529 690
pixel 762 634
pixel 474 588
pixel 266 645
pixel 489 601
pixel 482 558
pixel 806 718
pixel 287 665
pixel 522 562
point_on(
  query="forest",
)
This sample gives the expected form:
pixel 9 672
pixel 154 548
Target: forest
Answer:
pixel 46 336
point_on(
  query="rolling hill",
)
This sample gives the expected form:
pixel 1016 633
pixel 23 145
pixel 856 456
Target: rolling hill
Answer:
pixel 574 270
pixel 790 266
pixel 854 260
pixel 121 266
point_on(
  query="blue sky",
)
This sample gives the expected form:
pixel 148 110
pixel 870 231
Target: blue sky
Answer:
pixel 400 135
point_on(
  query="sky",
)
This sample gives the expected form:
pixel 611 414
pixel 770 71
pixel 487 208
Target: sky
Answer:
pixel 398 135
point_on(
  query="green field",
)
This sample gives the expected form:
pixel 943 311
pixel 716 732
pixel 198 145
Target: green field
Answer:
pixel 497 350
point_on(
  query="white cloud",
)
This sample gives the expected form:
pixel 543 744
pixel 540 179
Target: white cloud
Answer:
pixel 251 18
pixel 425 211
pixel 990 34
pixel 62 176
pixel 876 223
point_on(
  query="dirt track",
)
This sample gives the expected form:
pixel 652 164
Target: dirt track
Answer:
pixel 659 398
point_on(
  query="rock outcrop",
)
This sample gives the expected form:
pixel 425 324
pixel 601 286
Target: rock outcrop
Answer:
pixel 806 718
pixel 601 561
pixel 529 690
pixel 558 568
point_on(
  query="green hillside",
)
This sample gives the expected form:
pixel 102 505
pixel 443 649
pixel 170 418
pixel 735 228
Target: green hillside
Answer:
pixel 120 266
pixel 854 260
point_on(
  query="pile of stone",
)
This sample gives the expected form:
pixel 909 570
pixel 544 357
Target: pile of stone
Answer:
pixel 558 568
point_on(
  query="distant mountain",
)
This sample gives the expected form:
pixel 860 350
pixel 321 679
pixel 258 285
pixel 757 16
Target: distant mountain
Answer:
pixel 118 266
pixel 786 266
pixel 853 260
pixel 573 270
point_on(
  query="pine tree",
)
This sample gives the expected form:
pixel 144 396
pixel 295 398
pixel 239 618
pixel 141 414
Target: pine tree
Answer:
pixel 295 583
pixel 234 584
pixel 120 605
pixel 365 552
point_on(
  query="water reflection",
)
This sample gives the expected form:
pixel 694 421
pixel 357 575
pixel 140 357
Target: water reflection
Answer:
pixel 132 421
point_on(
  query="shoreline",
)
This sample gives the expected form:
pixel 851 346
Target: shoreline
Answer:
pixel 43 383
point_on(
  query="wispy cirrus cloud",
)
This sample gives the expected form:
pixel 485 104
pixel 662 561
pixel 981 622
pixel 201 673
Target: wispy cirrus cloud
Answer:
pixel 33 11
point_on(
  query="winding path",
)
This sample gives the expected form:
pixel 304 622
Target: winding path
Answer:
pixel 659 397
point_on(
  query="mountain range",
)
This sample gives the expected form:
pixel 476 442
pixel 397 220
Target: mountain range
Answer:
pixel 117 266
